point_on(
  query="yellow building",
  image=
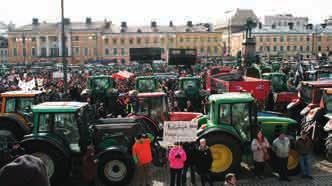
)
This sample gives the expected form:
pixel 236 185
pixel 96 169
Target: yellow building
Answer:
pixel 104 41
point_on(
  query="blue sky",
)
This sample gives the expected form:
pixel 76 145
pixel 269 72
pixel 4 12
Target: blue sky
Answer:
pixel 137 12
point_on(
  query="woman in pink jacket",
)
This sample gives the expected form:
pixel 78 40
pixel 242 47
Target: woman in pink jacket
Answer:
pixel 177 156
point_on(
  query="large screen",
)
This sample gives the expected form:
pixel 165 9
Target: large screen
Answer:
pixel 182 56
pixel 144 55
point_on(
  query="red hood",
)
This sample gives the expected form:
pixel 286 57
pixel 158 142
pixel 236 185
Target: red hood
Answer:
pixel 183 116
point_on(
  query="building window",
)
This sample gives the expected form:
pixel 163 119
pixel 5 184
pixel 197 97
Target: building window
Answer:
pixel 267 39
pixel 107 52
pixel 268 48
pixel 33 52
pixel 171 40
pixel 181 39
pixel 86 51
pixel 261 48
pixel 122 41
pixel 274 48
pixel 281 48
pixel 115 51
pixel 301 48
pixel 319 38
pixel 295 38
pixel 115 41
pixel 208 39
pixel 33 39
pixel 281 39
pixel 131 41
pixel 42 39
pixel 95 51
pixel 146 40
pixel 202 50
pixel 308 38
pixel 14 51
pixel 216 50
pixel 1 53
pixel 123 52
pixel 216 39
pixel 288 38
pixel 123 61
pixel 138 40
pixel 301 38
pixel 66 51
pixel 43 52
pixel 308 48
pixel 77 51
pixel 76 38
pixel 261 39
pixel 319 48
pixel 294 48
pixel 155 40
pixel 24 53
pixel 106 41
pixel 274 39
pixel 288 48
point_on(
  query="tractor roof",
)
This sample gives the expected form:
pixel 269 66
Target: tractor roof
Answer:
pixel 21 93
pixel 99 77
pixel 58 106
pixel 231 97
pixel 274 74
pixel 321 83
pixel 145 77
pixel 190 78
pixel 151 94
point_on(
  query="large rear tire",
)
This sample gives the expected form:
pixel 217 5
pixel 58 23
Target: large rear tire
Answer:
pixel 57 165
pixel 226 153
pixel 115 169
pixel 12 127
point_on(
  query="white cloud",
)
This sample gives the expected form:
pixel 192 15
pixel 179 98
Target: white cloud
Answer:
pixel 143 11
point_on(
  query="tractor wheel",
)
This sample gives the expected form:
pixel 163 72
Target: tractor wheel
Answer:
pixel 12 127
pixel 57 165
pixel 328 146
pixel 7 139
pixel 226 153
pixel 115 169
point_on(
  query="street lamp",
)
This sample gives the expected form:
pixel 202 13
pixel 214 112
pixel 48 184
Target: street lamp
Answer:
pixel 64 62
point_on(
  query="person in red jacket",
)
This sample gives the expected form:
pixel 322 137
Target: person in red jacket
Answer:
pixel 176 157
pixel 90 166
pixel 143 157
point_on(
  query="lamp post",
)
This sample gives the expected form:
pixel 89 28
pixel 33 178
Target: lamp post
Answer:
pixel 64 62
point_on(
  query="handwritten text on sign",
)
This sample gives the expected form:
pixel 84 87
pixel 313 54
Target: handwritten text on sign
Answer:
pixel 179 131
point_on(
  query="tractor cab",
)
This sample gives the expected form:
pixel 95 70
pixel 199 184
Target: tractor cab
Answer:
pixel 100 83
pixel 278 81
pixel 147 84
pixel 230 126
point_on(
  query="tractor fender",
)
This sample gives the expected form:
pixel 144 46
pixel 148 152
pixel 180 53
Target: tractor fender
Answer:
pixel 114 149
pixel 215 131
pixel 15 119
pixel 47 140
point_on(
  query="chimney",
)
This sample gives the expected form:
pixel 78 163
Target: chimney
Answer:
pixel 123 24
pixel 88 20
pixel 107 24
pixel 66 21
pixel 153 24
pixel 323 25
pixel 260 25
pixel 171 24
pixel 291 25
pixel 273 26
pixel 35 21
pixel 139 30
pixel 189 24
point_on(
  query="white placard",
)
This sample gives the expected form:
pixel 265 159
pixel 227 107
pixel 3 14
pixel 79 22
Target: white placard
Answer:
pixel 179 131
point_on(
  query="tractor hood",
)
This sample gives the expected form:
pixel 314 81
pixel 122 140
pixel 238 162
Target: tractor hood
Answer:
pixel 183 116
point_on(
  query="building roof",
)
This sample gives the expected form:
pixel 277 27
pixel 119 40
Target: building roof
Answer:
pixel 100 26
pixel 231 97
pixel 281 30
pixel 320 29
pixel 58 107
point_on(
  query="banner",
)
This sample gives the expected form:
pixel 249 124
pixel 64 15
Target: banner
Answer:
pixel 179 131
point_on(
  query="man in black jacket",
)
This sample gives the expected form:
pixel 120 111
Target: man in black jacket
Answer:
pixel 189 148
pixel 203 161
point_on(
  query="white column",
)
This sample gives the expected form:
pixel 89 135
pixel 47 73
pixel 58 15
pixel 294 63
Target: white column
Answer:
pixel 38 45
pixel 69 43
pixel 47 46
pixel 60 44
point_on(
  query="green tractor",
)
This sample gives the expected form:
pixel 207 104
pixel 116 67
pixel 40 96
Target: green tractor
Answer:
pixel 147 84
pixel 190 88
pixel 62 132
pixel 230 127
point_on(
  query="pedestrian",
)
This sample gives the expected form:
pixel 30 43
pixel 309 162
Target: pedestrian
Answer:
pixel 281 146
pixel 304 147
pixel 143 157
pixel 176 157
pixel 189 148
pixel 176 107
pixel 259 147
pixel 90 166
pixel 230 179
pixel 24 170
pixel 203 162
pixel 189 107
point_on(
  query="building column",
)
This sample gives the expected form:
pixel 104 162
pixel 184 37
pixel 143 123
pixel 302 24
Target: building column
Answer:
pixel 47 46
pixel 38 45
pixel 60 44
pixel 69 44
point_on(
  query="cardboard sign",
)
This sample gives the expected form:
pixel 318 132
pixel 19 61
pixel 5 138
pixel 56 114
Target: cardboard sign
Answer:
pixel 179 131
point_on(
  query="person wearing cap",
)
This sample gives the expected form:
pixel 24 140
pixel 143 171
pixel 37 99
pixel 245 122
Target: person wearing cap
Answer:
pixel 31 171
pixel 142 156
pixel 203 162
pixel 230 179
pixel 304 147
pixel 281 147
